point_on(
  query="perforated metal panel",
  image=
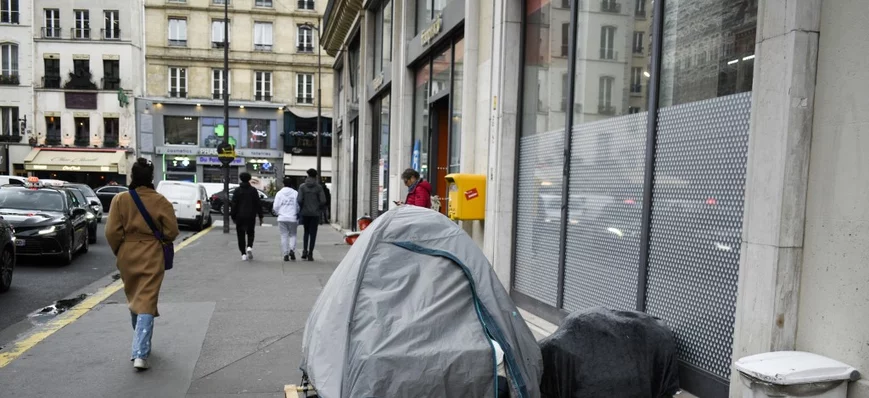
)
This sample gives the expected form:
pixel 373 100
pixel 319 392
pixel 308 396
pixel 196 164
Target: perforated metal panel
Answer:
pixel 697 225
pixel 605 209
pixel 538 215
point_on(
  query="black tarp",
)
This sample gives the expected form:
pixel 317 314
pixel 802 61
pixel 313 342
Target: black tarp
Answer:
pixel 604 353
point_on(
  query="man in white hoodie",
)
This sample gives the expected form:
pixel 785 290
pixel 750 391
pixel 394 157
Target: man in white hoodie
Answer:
pixel 287 208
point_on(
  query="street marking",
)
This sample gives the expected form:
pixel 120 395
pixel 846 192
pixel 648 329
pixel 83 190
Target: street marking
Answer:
pixel 31 340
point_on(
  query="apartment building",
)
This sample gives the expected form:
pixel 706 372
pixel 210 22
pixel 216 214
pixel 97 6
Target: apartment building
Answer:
pixel 272 86
pixel 87 70
pixel 16 87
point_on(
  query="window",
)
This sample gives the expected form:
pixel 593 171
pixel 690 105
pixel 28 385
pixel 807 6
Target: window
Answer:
pixel 217 31
pixel 306 4
pixel 605 96
pixel 52 130
pixel 610 6
pixel 9 118
pixel 305 39
pixel 565 38
pixel 636 80
pixel 263 3
pixel 177 32
pixel 263 86
pixel 383 38
pixel 82 28
pixel 640 9
pixel 9 11
pixel 81 67
pixel 82 131
pixel 52 73
pixel 564 91
pixel 387 35
pixel 305 88
pixel 180 130
pixel 221 2
pixel 111 74
pixel 262 36
pixel 111 132
pixel 9 60
pixel 178 82
pixel 607 42
pixel 427 11
pixel 634 109
pixel 638 42
pixel 112 30
pixel 217 83
pixel 52 23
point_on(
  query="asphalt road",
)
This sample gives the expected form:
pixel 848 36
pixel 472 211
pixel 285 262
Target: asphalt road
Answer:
pixel 38 282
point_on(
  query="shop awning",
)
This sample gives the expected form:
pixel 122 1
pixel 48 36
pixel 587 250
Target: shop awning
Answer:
pixel 308 113
pixel 69 160
pixel 297 166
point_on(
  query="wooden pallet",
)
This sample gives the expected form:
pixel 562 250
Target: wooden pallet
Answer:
pixel 294 391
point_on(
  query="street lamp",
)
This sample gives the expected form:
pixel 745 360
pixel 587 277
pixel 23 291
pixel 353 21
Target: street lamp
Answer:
pixel 319 95
pixel 225 93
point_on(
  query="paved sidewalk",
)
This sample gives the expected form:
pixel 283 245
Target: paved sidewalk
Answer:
pixel 228 328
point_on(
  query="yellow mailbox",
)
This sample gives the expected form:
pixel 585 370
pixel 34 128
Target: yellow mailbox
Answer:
pixel 467 196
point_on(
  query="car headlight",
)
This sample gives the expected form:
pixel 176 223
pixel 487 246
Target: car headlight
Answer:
pixel 90 216
pixel 50 230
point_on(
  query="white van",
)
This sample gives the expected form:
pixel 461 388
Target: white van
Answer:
pixel 13 180
pixel 190 202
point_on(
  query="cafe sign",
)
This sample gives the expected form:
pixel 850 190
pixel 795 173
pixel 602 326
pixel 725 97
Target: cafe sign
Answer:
pixel 432 31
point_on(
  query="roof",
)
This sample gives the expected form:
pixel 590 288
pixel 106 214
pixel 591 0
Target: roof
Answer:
pixel 337 21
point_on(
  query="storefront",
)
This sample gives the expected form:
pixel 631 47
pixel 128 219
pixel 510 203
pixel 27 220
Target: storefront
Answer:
pixel 93 167
pixel 379 103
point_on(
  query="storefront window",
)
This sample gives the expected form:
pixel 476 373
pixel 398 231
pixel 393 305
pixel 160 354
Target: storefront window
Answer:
pixel 421 132
pixel 303 140
pixel 441 72
pixel 180 164
pixel 212 132
pixel 383 198
pixel 180 130
pixel 456 120
pixel 262 133
pixel 354 61
pixel 214 174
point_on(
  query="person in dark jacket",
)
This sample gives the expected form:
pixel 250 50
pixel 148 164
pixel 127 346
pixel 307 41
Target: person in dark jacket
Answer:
pixel 244 209
pixel 312 200
pixel 418 189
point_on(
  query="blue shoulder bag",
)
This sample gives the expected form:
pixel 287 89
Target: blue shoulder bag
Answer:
pixel 168 247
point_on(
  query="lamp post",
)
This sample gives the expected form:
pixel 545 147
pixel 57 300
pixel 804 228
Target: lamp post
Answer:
pixel 319 98
pixel 225 93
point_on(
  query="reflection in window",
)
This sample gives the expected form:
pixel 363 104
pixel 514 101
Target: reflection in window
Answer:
pixel 457 99
pixel 607 42
pixel 605 96
pixel 427 11
pixel 421 132
pixel 213 130
pixel 180 130
pixel 441 72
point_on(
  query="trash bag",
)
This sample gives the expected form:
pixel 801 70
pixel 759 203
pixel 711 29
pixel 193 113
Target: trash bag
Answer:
pixel 604 353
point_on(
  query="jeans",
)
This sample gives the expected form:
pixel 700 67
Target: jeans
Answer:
pixel 245 228
pixel 311 224
pixel 143 331
pixel 288 236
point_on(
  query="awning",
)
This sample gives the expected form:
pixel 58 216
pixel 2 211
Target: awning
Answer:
pixel 308 113
pixel 297 166
pixel 70 160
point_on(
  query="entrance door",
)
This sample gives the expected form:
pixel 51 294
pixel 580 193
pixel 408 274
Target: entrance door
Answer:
pixel 354 172
pixel 440 144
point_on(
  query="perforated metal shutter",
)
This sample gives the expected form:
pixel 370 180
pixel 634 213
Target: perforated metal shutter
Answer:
pixel 374 173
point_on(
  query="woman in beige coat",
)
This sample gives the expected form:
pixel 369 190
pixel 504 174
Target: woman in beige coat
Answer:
pixel 140 255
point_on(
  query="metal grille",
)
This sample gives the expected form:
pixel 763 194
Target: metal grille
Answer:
pixel 541 157
pixel 374 179
pixel 697 225
pixel 605 210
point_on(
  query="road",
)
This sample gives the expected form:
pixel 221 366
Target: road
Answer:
pixel 37 283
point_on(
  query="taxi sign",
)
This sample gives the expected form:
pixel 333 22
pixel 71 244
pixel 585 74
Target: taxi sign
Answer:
pixel 33 182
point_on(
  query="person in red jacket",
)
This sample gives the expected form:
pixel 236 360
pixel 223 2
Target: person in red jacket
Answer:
pixel 418 189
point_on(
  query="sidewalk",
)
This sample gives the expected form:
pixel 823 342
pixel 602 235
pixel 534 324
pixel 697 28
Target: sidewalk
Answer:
pixel 228 328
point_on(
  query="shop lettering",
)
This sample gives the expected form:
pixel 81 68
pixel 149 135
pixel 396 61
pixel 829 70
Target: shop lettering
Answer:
pixel 71 168
pixel 61 159
pixel 378 81
pixel 432 31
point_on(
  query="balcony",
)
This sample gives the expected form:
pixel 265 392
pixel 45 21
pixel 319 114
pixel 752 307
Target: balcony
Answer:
pixel 82 141
pixel 564 50
pixel 52 140
pixel 51 32
pixel 80 33
pixel 217 96
pixel 306 5
pixel 263 3
pixel 111 83
pixel 221 2
pixel 110 34
pixel 110 142
pixel 638 50
pixel 611 6
pixel 51 81
pixel 10 80
pixel 177 43
pixel 606 110
pixel 261 97
pixel 178 94
pixel 14 137
pixel 640 14
pixel 305 48
pixel 305 100
pixel 219 44
pixel 636 88
pixel 609 54
pixel 262 47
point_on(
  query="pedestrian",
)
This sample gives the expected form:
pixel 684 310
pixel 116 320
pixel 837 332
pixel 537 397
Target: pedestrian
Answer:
pixel 328 208
pixel 418 189
pixel 312 199
pixel 286 206
pixel 140 256
pixel 244 209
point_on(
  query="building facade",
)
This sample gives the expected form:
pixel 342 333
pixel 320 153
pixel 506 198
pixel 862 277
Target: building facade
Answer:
pixel 639 155
pixel 16 84
pixel 272 88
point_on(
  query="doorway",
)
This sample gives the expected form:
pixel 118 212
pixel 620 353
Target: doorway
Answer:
pixel 440 144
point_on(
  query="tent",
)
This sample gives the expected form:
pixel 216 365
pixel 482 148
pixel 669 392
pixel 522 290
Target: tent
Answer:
pixel 412 311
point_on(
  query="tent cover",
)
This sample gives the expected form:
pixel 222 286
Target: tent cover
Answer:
pixel 412 311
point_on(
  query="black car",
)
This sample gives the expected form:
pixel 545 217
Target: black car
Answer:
pixel 107 193
pixel 92 217
pixel 47 221
pixel 7 257
pixel 218 199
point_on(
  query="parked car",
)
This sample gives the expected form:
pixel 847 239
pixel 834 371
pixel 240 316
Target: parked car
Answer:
pixel 93 201
pixel 47 221
pixel 13 180
pixel 214 188
pixel 217 201
pixel 7 256
pixel 84 203
pixel 190 202
pixel 107 193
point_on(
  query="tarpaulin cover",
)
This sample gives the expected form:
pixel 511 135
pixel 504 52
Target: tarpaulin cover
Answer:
pixel 412 311
pixel 604 353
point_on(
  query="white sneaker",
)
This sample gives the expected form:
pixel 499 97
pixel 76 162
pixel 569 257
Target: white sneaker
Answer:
pixel 140 364
pixel 244 257
pixel 250 253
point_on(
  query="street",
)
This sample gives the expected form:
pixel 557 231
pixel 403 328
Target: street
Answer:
pixel 39 282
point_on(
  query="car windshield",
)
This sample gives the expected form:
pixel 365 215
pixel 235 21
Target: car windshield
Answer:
pixel 27 199
pixel 179 192
pixel 86 190
pixel 78 194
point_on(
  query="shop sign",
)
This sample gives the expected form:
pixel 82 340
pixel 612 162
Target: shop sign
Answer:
pixel 259 153
pixel 215 161
pixel 168 150
pixel 244 152
pixel 378 81
pixel 432 31
pixel 71 168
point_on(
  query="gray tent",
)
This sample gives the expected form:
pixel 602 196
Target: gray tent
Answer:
pixel 412 311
